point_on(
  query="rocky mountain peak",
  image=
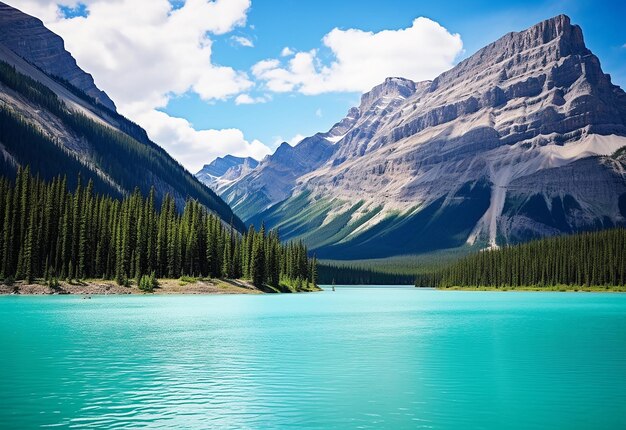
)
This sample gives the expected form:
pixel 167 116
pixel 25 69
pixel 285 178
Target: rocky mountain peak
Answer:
pixel 506 145
pixel 543 43
pixel 27 37
pixel 224 170
pixel 391 88
pixel 221 165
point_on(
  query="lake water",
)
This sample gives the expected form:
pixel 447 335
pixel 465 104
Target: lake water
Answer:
pixel 369 357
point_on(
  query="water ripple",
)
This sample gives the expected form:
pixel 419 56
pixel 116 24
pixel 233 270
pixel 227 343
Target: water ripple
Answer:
pixel 356 358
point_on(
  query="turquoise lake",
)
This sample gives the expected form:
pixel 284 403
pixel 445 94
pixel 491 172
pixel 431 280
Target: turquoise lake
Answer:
pixel 366 357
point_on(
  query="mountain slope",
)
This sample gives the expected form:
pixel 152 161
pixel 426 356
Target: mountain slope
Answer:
pixel 479 154
pixel 28 38
pixel 224 170
pixel 61 129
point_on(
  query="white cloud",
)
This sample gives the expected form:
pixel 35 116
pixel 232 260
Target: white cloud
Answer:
pixel 246 99
pixel 144 52
pixel 318 113
pixel 293 141
pixel 296 139
pixel 286 52
pixel 194 148
pixel 243 41
pixel 364 59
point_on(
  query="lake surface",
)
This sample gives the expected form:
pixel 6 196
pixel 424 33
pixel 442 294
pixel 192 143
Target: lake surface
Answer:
pixel 369 357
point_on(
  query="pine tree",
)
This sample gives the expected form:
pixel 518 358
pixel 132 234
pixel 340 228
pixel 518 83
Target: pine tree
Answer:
pixel 47 231
pixel 257 264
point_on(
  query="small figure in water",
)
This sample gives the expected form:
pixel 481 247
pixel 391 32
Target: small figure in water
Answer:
pixel 333 285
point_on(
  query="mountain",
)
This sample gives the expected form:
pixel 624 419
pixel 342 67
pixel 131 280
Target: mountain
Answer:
pixel 512 143
pixel 54 119
pixel 27 37
pixel 224 170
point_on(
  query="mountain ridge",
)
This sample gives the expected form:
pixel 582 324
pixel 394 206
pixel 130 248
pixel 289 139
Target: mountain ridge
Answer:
pixel 415 154
pixel 224 170
pixel 46 51
pixel 58 129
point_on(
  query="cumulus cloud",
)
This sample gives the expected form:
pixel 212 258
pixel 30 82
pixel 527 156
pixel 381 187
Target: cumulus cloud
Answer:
pixel 363 59
pixel 243 41
pixel 286 52
pixel 246 99
pixel 144 52
pixel 293 141
pixel 194 148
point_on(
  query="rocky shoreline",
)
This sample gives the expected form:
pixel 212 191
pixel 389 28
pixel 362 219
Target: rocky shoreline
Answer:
pixel 102 287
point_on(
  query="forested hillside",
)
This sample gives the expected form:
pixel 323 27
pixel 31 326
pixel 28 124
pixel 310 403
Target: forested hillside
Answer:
pixel 358 275
pixel 587 259
pixel 49 232
pixel 117 161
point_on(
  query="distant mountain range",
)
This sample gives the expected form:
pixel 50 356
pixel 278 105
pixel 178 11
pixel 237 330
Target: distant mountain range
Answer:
pixel 224 170
pixel 520 140
pixel 54 119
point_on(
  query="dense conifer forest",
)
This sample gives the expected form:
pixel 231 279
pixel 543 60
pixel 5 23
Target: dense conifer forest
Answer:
pixel 358 275
pixel 585 259
pixel 128 157
pixel 47 231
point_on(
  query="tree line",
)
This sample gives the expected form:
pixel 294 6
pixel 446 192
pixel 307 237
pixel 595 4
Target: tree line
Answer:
pixel 356 275
pixel 586 259
pixel 129 157
pixel 50 232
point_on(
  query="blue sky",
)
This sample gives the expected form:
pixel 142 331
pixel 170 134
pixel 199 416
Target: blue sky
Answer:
pixel 177 99
pixel 301 25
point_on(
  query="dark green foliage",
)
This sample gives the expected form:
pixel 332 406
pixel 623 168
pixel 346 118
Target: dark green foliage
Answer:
pixel 48 232
pixel 586 259
pixel 28 145
pixel 127 156
pixel 620 152
pixel 400 270
pixel 54 283
pixel 148 283
pixel 358 275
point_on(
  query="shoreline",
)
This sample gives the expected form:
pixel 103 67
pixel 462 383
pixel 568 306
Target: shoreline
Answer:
pixel 548 289
pixel 105 287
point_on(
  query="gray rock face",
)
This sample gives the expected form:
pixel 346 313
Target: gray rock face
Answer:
pixel 275 177
pixel 436 164
pixel 224 170
pixel 27 37
pixel 126 158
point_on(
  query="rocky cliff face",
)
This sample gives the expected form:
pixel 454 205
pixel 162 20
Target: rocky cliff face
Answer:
pixel 438 164
pixel 57 129
pixel 27 37
pixel 275 177
pixel 278 175
pixel 224 170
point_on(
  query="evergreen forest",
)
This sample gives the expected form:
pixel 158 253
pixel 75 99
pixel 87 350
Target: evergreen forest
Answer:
pixel 589 259
pixel 52 232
